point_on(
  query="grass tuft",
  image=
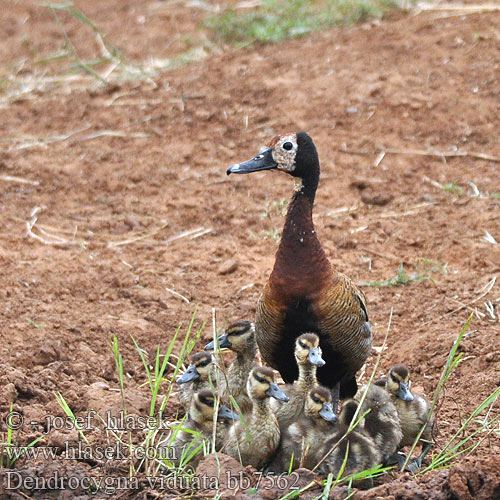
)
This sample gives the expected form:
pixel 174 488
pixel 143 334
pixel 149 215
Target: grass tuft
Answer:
pixel 400 279
pixel 453 188
pixel 276 20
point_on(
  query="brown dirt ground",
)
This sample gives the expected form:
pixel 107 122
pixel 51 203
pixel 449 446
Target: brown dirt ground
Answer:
pixel 429 81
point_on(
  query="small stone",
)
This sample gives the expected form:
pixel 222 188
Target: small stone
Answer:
pixel 228 267
pixel 490 357
pixel 377 198
pixel 360 184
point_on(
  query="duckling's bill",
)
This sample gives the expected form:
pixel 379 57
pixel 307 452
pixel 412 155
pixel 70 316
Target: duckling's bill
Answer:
pixel 191 374
pixel 327 413
pixel 223 342
pixel 225 412
pixel 404 392
pixel 263 161
pixel 314 357
pixel 275 392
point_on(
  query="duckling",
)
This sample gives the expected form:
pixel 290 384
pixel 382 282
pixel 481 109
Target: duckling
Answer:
pixel 240 338
pixel 301 441
pixel 362 453
pixel 308 358
pixel 412 410
pixel 200 419
pixel 304 293
pixel 199 375
pixel 254 440
pixel 382 421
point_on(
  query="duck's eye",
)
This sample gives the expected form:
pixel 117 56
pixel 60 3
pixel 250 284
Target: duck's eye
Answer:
pixel 316 400
pixel 287 146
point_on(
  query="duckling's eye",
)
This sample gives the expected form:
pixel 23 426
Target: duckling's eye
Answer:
pixel 304 346
pixel 316 400
pixel 287 146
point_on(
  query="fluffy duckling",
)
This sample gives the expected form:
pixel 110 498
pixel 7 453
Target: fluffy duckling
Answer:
pixel 200 419
pixel 301 441
pixel 308 358
pixel 382 421
pixel 254 440
pixel 199 374
pixel 239 337
pixel 412 410
pixel 362 453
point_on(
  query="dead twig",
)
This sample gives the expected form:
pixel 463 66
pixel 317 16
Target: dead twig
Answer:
pixel 20 180
pixel 112 244
pixel 486 288
pixel 411 211
pixel 45 237
pixel 464 9
pixel 422 152
pixel 389 256
pixel 177 294
pixel 474 310
pixel 113 133
pixel 189 232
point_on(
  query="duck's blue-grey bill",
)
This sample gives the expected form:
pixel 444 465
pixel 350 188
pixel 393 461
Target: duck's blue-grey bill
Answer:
pixel 223 343
pixel 327 413
pixel 263 161
pixel 191 374
pixel 225 412
pixel 315 358
pixel 404 392
pixel 275 392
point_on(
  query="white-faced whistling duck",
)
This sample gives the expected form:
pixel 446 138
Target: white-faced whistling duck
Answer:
pixel 361 451
pixel 304 293
pixel 382 422
pixel 200 419
pixel 255 440
pixel 308 357
pixel 239 337
pixel 304 439
pixel 412 409
pixel 199 375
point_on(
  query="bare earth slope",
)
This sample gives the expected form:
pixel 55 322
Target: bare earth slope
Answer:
pixel 146 209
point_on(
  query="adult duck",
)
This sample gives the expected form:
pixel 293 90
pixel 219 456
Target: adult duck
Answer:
pixel 304 293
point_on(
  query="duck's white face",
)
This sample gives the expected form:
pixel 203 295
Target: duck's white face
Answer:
pixel 284 151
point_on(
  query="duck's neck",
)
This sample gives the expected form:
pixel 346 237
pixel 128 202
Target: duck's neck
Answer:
pixel 301 262
pixel 246 359
pixel 307 377
pixel 239 370
pixel 260 410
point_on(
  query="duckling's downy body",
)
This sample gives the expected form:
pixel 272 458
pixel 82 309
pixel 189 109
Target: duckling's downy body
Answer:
pixel 412 409
pixel 200 420
pixel 304 293
pixel 199 375
pixel 303 440
pixel 382 421
pixel 239 337
pixel 254 440
pixel 362 453
pixel 308 357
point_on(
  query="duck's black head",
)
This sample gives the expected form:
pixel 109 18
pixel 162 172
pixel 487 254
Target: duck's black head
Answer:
pixel 294 154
